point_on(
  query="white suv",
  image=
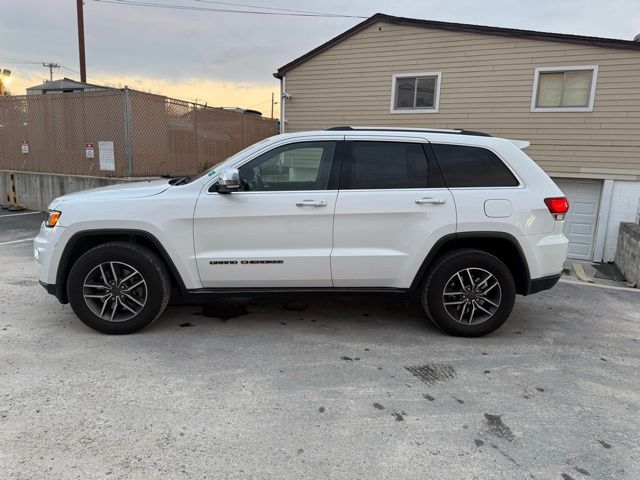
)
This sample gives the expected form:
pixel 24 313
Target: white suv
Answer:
pixel 463 220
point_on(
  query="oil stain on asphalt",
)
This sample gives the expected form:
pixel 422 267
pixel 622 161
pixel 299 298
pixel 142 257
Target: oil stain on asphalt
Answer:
pixel 432 373
pixel 583 471
pixel 497 427
pixel 399 417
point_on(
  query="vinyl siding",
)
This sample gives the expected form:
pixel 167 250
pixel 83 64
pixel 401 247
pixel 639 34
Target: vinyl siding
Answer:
pixel 487 84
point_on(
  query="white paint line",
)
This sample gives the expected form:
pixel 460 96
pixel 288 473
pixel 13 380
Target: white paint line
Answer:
pixel 613 287
pixel 17 241
pixel 16 214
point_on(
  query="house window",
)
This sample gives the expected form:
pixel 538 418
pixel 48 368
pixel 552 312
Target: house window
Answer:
pixel 415 92
pixel 564 89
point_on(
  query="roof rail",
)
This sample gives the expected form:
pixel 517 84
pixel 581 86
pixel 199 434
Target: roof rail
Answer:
pixel 455 131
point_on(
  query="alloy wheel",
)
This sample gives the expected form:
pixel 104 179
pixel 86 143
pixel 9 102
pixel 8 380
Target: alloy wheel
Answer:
pixel 472 296
pixel 115 291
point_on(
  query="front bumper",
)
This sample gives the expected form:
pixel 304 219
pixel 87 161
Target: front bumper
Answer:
pixel 46 256
pixel 51 289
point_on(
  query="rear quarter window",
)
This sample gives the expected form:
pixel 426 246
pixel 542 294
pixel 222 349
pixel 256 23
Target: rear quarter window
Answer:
pixel 465 166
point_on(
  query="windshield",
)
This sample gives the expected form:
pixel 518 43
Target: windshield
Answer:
pixel 211 171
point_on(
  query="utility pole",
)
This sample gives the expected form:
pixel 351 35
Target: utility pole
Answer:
pixel 51 66
pixel 271 104
pixel 83 66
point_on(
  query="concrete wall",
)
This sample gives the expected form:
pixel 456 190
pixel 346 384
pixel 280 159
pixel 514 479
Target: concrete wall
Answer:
pixel 37 190
pixel 625 207
pixel 628 254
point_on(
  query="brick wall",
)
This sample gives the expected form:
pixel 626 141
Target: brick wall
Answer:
pixel 628 254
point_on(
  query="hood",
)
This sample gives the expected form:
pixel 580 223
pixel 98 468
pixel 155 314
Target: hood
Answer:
pixel 120 190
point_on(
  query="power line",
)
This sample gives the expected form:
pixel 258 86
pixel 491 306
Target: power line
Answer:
pixel 70 69
pixel 207 9
pixel 21 61
pixel 267 8
pixel 93 78
pixel 257 104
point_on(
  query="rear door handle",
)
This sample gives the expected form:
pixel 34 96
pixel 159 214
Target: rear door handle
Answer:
pixel 433 201
pixel 311 203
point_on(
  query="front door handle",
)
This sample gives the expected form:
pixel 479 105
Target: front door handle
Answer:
pixel 311 203
pixel 433 201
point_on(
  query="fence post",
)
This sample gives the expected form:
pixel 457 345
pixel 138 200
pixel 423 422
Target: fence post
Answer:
pixel 127 132
pixel 195 132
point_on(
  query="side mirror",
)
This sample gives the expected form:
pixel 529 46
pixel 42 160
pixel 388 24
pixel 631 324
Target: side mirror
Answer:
pixel 229 181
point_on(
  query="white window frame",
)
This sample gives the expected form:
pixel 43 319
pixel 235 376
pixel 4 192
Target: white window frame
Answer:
pixel 436 96
pixel 573 68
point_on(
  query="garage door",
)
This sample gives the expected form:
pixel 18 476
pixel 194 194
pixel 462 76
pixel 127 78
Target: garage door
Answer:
pixel 580 223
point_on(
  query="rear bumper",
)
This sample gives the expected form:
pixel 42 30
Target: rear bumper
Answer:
pixel 545 283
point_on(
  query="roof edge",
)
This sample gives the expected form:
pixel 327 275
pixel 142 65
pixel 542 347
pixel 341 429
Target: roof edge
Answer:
pixel 328 44
pixel 462 27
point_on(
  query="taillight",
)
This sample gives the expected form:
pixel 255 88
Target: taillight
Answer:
pixel 558 207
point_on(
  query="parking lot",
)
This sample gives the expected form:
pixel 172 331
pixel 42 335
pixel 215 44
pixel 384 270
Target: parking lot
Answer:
pixel 339 388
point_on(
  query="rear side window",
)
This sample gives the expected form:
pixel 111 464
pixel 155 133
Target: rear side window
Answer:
pixel 464 166
pixel 384 165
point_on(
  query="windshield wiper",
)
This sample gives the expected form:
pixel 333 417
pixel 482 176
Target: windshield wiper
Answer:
pixel 180 180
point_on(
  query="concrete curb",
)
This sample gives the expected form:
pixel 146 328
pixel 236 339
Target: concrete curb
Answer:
pixel 585 284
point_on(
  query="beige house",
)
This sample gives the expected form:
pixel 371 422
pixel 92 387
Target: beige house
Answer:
pixel 575 98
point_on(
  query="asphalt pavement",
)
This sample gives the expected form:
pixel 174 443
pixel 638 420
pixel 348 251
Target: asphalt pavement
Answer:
pixel 313 387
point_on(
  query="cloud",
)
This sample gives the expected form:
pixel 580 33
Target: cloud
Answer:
pixel 229 58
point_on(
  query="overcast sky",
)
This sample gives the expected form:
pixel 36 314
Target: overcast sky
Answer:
pixel 228 59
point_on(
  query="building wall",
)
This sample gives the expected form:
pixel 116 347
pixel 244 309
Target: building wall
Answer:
pixel 487 84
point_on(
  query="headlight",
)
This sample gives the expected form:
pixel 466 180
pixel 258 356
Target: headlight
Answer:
pixel 52 218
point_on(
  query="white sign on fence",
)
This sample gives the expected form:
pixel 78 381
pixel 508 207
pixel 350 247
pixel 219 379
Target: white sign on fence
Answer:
pixel 89 150
pixel 24 147
pixel 106 156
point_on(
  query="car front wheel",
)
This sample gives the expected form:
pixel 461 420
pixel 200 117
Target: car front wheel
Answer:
pixel 469 293
pixel 118 287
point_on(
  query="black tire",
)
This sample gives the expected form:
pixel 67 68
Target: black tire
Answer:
pixel 152 270
pixel 443 275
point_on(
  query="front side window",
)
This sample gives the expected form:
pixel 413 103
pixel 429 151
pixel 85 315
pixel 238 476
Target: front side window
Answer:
pixel 384 165
pixel 464 166
pixel 564 89
pixel 294 167
pixel 415 92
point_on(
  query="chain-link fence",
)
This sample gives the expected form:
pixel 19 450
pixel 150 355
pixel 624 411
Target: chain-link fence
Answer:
pixel 120 133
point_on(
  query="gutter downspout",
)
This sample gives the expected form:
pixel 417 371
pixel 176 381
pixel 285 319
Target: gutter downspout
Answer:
pixel 283 100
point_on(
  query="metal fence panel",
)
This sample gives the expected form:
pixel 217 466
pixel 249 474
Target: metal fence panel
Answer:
pixel 152 134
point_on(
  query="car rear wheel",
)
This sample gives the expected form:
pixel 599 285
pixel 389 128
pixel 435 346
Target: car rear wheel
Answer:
pixel 118 287
pixel 468 293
